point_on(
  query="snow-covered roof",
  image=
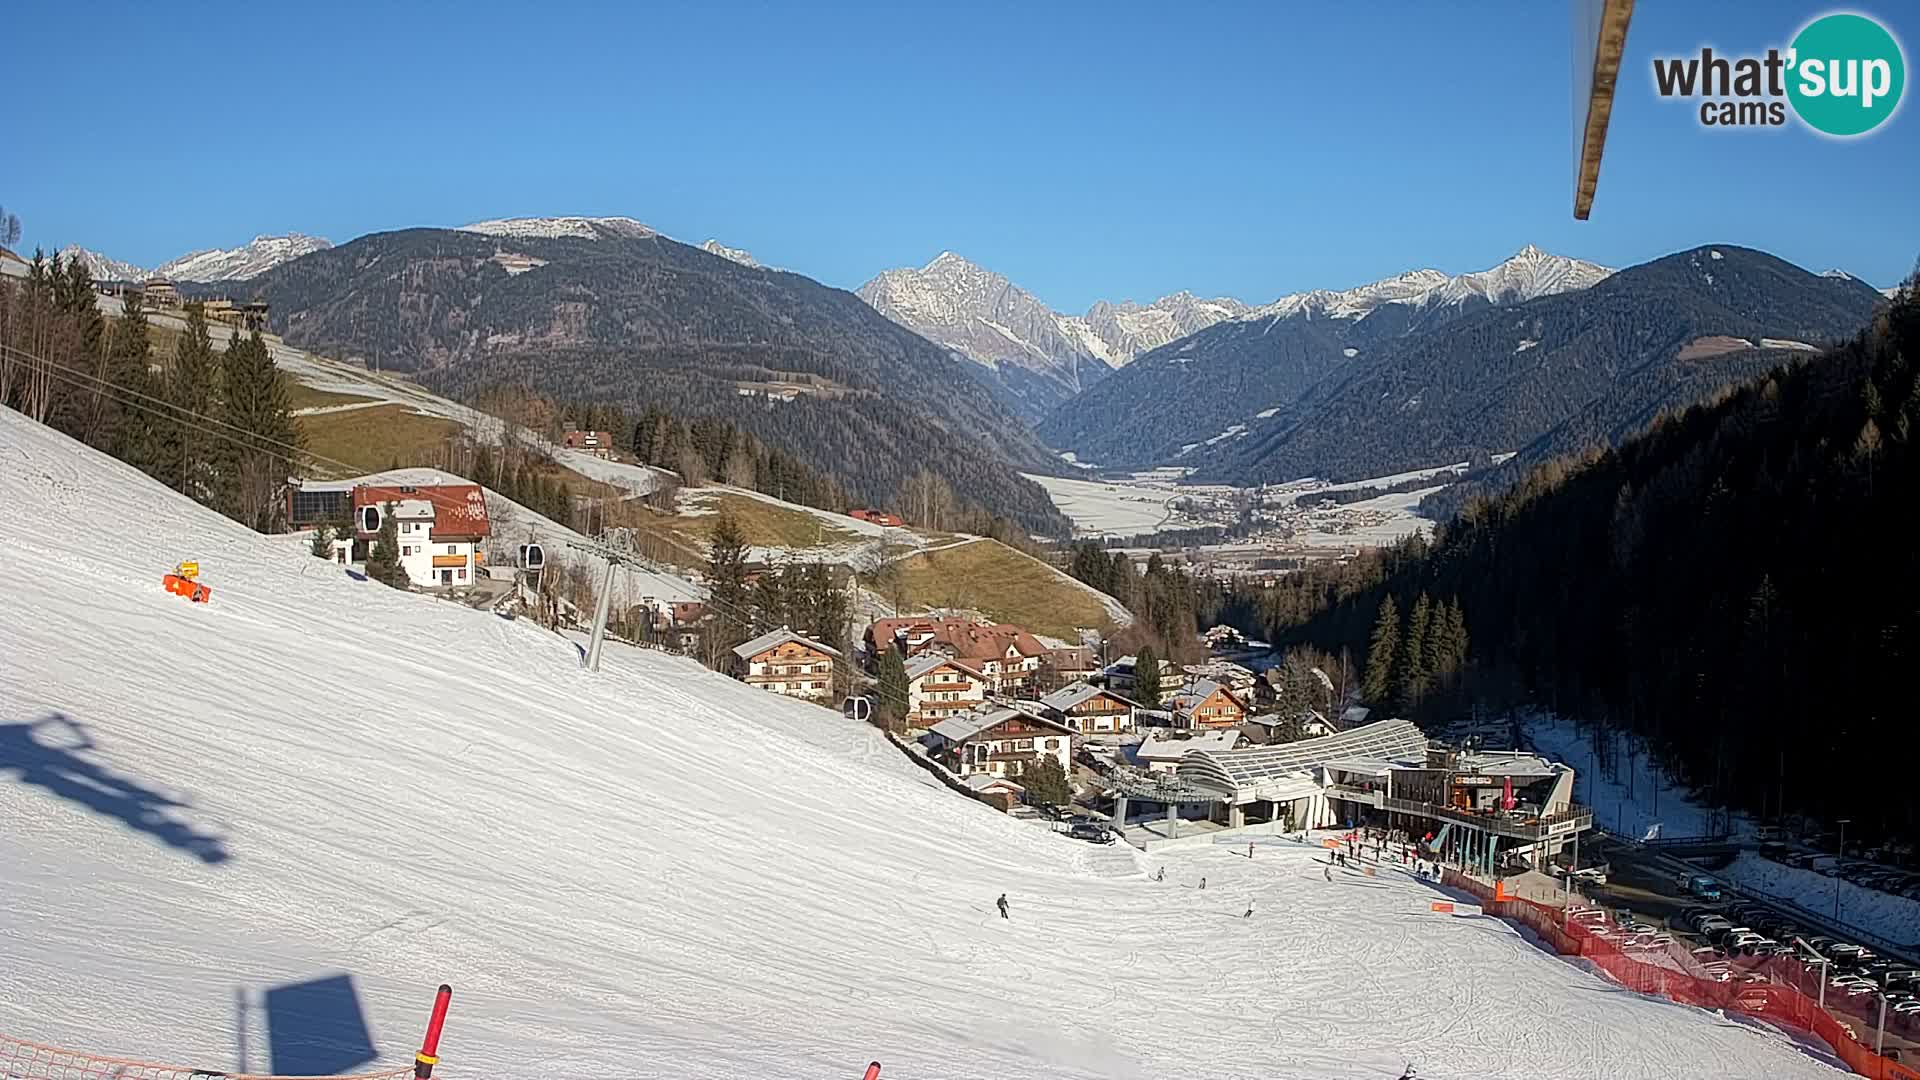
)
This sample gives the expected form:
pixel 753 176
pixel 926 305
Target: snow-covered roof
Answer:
pixel 1230 770
pixel 985 782
pixel 775 638
pixel 967 725
pixel 928 661
pixel 1157 747
pixel 1075 693
pixel 1514 763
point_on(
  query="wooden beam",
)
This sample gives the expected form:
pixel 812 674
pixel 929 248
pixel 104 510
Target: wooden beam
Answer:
pixel 1610 45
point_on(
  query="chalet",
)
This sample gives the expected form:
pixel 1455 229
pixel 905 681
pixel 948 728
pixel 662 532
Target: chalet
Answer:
pixel 1161 752
pixel 597 443
pixel 440 529
pixel 1224 638
pixel 1071 663
pixel 1275 728
pixel 877 517
pixel 1234 677
pixel 995 790
pixel 12 265
pixel 783 662
pixel 160 293
pixel 939 687
pixel 1007 656
pixel 998 741
pixel 1090 710
pixel 1207 705
pixel 1119 675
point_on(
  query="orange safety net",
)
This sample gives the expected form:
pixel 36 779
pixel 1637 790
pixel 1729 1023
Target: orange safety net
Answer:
pixel 1781 990
pixel 30 1061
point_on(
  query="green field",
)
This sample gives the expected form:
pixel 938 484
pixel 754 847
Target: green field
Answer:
pixel 1003 584
pixel 374 438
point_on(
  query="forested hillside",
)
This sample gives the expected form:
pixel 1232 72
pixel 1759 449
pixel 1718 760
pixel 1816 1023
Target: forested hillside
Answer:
pixel 630 317
pixel 1554 374
pixel 1733 586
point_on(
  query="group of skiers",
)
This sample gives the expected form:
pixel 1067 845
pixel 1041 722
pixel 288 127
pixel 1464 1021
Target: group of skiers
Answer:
pixel 1339 857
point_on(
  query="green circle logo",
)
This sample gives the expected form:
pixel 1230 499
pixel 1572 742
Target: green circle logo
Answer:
pixel 1847 74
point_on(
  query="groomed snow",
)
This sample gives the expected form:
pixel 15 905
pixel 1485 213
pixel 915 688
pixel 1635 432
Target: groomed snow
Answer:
pixel 652 871
pixel 1105 508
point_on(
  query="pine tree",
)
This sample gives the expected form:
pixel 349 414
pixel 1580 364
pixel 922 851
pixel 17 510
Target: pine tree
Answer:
pixel 383 561
pixel 257 462
pixel 1046 782
pixel 193 391
pixel 1146 678
pixel 891 706
pixel 322 545
pixel 1377 685
pixel 1416 667
pixel 728 596
pixel 145 433
pixel 771 608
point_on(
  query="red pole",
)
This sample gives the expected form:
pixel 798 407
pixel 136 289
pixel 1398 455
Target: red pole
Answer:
pixel 873 1071
pixel 428 1057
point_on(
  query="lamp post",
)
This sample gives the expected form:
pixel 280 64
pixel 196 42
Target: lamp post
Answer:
pixel 1836 869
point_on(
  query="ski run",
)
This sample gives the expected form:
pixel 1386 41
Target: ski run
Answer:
pixel 651 871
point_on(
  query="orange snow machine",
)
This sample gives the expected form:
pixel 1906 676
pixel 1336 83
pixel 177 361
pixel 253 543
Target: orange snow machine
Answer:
pixel 184 581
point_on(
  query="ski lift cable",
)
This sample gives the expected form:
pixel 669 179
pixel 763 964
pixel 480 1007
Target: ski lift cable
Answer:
pixel 293 455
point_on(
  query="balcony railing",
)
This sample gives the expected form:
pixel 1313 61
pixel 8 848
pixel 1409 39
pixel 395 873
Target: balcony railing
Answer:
pixel 1523 827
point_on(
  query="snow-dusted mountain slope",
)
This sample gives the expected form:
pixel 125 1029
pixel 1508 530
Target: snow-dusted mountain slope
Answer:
pixel 651 871
pixel 1529 273
pixel 102 267
pixel 991 320
pixel 744 258
pixel 251 259
pixel 584 228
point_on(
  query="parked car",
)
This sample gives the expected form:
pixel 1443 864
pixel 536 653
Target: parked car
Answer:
pixel 1906 1008
pixel 1091 831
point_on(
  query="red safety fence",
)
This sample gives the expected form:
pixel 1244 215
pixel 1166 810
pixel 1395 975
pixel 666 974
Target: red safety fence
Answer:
pixel 1780 990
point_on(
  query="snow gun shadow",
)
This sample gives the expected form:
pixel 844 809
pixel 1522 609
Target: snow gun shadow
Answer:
pixel 57 764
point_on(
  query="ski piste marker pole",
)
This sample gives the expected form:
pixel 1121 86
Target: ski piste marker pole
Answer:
pixel 428 1057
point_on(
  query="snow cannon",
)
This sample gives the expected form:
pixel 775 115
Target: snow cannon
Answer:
pixel 184 581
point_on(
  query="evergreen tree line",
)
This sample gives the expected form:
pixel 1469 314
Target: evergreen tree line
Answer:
pixel 1170 605
pixel 801 596
pixel 1418 661
pixel 213 425
pixel 1725 588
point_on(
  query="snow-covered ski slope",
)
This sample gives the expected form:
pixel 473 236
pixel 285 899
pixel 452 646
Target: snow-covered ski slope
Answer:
pixel 652 871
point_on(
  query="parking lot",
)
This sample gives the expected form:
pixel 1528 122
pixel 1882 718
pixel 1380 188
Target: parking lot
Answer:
pixel 1650 907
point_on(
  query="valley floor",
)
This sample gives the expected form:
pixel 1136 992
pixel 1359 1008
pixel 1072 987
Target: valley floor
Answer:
pixel 652 871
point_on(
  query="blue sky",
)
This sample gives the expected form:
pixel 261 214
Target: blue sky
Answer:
pixel 1084 150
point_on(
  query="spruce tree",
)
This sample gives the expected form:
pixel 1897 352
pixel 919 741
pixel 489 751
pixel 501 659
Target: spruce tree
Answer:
pixel 1046 782
pixel 1377 685
pixel 1146 678
pixel 727 592
pixel 771 602
pixel 891 706
pixel 193 391
pixel 1416 668
pixel 322 544
pixel 145 433
pixel 383 561
pixel 258 459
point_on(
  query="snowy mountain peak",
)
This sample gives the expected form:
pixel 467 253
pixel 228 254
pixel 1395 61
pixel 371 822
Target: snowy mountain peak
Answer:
pixel 744 258
pixel 1836 272
pixel 100 266
pixel 553 228
pixel 256 257
pixel 1528 273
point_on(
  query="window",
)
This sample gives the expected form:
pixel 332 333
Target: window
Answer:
pixel 450 550
pixel 463 575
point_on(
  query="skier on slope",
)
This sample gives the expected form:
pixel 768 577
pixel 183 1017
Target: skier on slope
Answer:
pixel 1328 871
pixel 1002 905
pixel 1203 883
pixel 1160 874
pixel 1249 913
